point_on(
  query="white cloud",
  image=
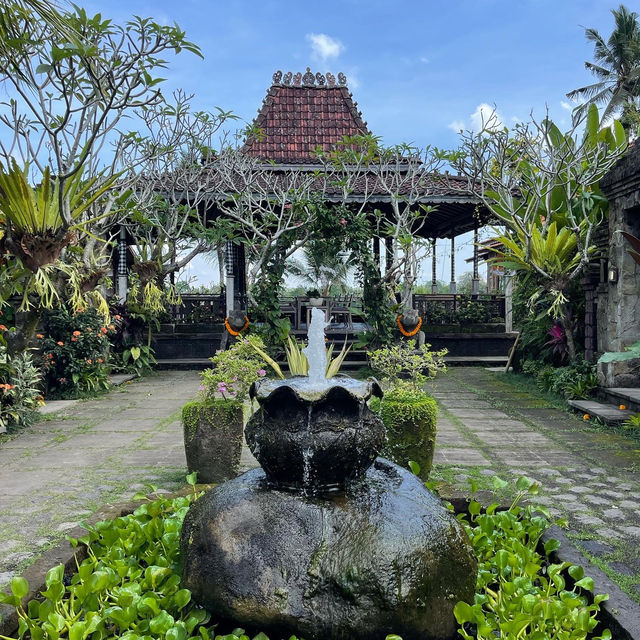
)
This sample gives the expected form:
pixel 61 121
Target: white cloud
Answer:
pixel 424 60
pixel 485 117
pixel 566 105
pixel 324 47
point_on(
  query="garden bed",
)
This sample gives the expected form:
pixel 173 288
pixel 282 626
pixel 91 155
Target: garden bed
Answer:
pixel 620 614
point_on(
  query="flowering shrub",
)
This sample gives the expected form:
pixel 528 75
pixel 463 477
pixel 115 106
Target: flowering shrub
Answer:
pixel 74 348
pixel 405 366
pixel 19 392
pixel 234 370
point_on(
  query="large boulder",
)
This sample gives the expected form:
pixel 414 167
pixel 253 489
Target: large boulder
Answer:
pixel 384 557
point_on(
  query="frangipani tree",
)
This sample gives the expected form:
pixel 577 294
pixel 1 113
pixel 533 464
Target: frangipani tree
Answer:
pixel 541 186
pixel 66 101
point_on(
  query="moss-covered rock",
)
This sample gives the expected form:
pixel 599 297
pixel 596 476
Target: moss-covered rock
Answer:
pixel 410 419
pixel 213 438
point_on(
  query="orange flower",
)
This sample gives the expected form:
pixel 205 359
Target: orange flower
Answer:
pixel 89 361
pixel 77 333
pixel 118 317
pixel 100 360
pixel 74 339
pixel 3 328
pixel 112 328
pixel 104 329
pixel 39 336
pixel 60 343
pixel 49 355
pixel 88 328
pixel 586 416
pixel 622 407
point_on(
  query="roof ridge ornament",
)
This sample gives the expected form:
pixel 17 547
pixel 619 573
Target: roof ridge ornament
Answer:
pixel 309 79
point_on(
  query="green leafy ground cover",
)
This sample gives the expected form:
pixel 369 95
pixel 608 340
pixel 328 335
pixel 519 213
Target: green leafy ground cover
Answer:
pixel 129 585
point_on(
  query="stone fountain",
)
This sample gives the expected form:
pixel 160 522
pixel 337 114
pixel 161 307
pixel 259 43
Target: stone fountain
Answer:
pixel 326 541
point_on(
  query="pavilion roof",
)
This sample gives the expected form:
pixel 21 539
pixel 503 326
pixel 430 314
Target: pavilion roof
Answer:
pixel 301 114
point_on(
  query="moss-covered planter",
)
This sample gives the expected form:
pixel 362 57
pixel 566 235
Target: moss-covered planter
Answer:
pixel 410 419
pixel 213 439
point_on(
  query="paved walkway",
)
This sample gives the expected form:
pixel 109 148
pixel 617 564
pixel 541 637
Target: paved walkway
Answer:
pixel 488 427
pixel 76 460
pixel 104 450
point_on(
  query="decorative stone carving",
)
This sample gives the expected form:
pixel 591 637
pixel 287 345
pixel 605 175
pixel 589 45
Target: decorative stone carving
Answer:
pixel 277 76
pixel 342 79
pixel 320 79
pixel 297 79
pixel 287 78
pixel 308 78
pixel 331 79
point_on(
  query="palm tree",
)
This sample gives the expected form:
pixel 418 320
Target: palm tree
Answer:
pixel 616 66
pixel 321 268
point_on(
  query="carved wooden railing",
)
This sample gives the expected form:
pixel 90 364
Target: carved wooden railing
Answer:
pixel 449 308
pixel 200 308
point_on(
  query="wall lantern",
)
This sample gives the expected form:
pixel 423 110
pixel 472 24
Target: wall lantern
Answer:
pixel 613 275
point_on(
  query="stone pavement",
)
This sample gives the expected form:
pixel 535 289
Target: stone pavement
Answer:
pixel 93 452
pixel 488 427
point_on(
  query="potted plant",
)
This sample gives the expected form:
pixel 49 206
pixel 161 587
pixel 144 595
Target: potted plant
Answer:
pixel 213 424
pixel 315 298
pixel 408 413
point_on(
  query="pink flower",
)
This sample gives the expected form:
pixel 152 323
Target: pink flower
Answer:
pixel 235 378
pixel 343 221
pixel 218 351
pixel 222 386
pixel 262 373
pixel 201 387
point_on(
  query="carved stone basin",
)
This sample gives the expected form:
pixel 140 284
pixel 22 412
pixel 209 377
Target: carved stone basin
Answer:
pixel 314 440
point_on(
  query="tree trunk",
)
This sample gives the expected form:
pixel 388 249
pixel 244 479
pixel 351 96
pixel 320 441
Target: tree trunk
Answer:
pixel 26 325
pixel 567 324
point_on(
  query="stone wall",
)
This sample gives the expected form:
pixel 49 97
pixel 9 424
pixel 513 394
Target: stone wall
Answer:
pixel 619 301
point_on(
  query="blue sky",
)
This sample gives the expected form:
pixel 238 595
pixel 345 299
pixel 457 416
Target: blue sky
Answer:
pixel 418 70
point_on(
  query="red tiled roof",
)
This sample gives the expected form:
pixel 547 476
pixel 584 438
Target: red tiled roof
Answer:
pixel 298 118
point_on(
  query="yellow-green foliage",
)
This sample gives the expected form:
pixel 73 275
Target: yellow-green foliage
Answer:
pixel 410 419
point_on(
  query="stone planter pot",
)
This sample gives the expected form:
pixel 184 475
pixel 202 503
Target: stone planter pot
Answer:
pixel 213 439
pixel 316 302
pixel 410 421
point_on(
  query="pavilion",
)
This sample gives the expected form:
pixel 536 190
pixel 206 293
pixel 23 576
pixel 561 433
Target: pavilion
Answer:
pixel 302 113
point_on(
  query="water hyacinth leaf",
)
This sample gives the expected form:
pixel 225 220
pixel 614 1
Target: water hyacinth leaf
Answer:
pixel 585 583
pixel 463 613
pixel 499 483
pixel 415 467
pixel 551 545
pixel 19 587
pixel 262 636
pixel 192 479
pixel 161 623
pixel 178 632
pixel 575 571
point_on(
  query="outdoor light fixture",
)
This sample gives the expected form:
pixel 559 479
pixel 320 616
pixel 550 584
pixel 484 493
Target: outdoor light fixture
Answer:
pixel 613 274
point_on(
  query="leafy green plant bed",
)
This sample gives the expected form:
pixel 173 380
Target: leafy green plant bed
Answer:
pixel 128 584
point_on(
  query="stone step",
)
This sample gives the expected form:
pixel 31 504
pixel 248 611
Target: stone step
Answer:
pixel 610 413
pixel 628 396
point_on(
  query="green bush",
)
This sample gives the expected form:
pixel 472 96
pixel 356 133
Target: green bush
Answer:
pixel 75 350
pixel 577 380
pixel 410 419
pixel 19 389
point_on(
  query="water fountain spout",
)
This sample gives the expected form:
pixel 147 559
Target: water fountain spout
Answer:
pixel 316 351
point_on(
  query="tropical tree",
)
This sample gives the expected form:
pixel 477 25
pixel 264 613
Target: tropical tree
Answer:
pixel 542 187
pixel 66 99
pixel 323 266
pixel 616 67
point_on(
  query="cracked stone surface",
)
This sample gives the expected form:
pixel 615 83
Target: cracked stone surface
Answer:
pixel 587 476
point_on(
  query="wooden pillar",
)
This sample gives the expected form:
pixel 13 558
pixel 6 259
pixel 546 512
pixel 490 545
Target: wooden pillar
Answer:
pixel 475 282
pixel 434 267
pixel 452 284
pixel 589 320
pixel 388 254
pixel 240 292
pixel 509 277
pixel 376 250
pixel 123 284
pixel 230 278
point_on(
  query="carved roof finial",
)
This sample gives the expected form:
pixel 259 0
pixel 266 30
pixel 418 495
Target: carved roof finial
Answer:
pixel 308 78
pixel 331 79
pixel 287 78
pixel 277 76
pixel 342 79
